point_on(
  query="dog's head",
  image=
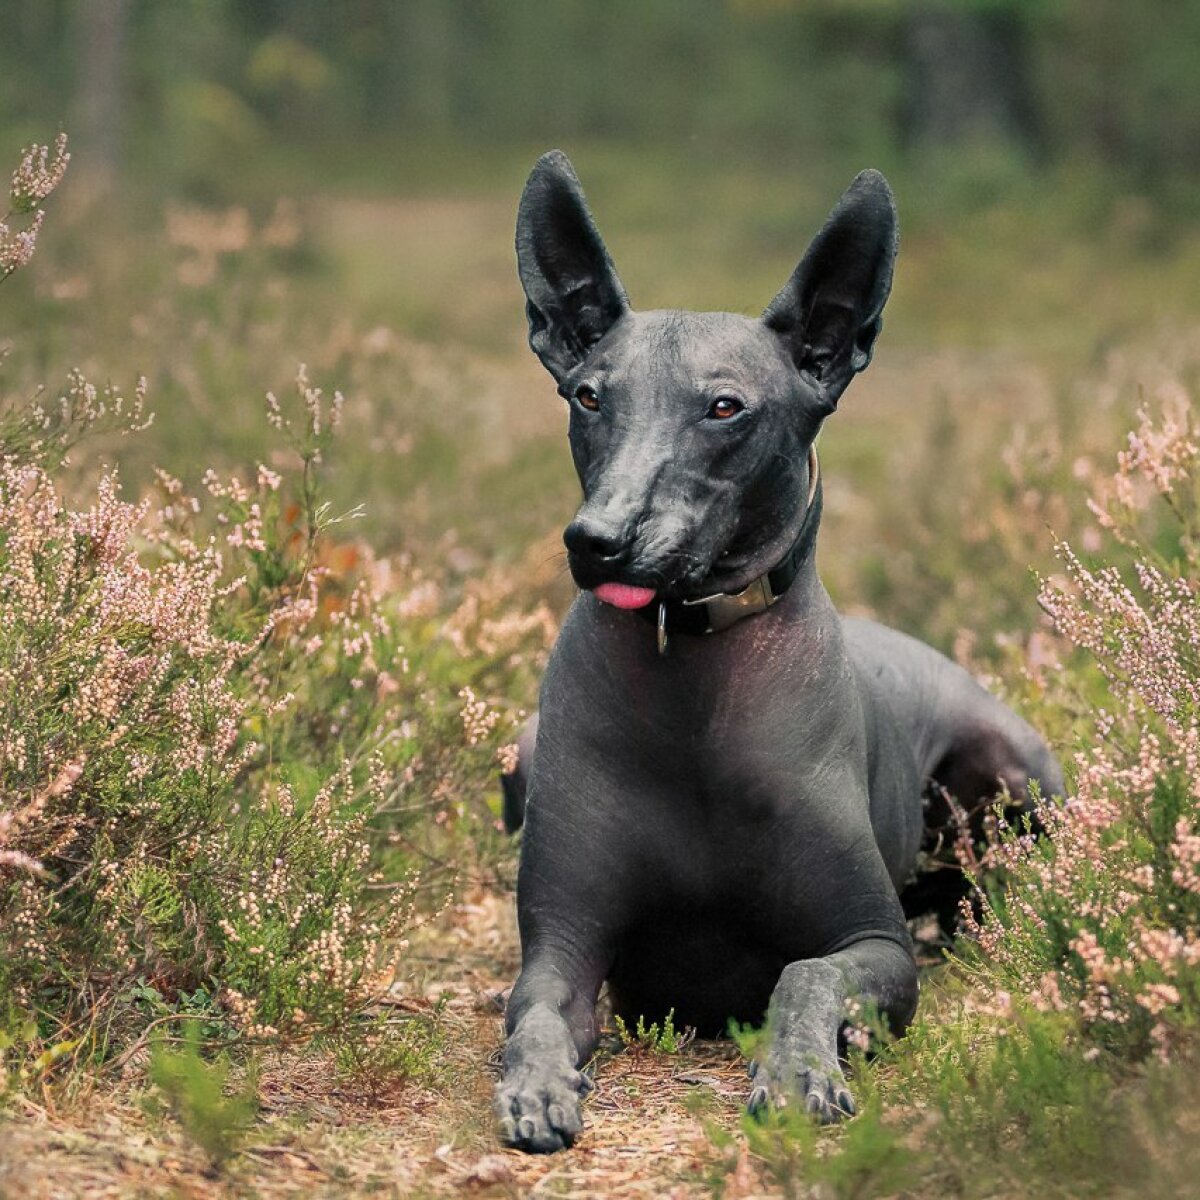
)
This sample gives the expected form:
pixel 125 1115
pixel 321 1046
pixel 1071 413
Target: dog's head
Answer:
pixel 690 431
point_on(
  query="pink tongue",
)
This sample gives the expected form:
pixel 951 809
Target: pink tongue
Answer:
pixel 622 595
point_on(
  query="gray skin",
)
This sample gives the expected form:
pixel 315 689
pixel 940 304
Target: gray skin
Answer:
pixel 726 830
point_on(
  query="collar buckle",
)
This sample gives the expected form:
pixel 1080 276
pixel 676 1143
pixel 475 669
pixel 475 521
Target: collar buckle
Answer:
pixel 723 609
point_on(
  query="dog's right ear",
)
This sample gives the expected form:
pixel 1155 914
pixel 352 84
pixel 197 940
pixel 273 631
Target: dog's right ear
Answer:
pixel 829 312
pixel 573 296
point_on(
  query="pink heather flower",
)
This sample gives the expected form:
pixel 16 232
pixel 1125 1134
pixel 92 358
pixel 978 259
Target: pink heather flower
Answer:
pixel 1090 922
pixel 478 718
pixel 508 757
pixel 1164 453
pixel 16 860
pixel 65 780
pixel 1158 996
pixel 17 245
pixel 268 480
pixel 38 174
pixel 1186 852
pixel 858 1036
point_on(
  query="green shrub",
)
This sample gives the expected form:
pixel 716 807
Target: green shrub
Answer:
pixel 799 1160
pixel 388 1050
pixel 1100 919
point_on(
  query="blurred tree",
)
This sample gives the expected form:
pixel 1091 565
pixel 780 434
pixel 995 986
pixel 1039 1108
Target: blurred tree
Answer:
pixel 188 85
pixel 101 34
pixel 967 74
pixel 429 30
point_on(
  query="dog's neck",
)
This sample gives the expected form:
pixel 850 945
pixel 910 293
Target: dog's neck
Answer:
pixel 712 614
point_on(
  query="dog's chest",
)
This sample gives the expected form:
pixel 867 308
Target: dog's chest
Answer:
pixel 732 755
pixel 718 821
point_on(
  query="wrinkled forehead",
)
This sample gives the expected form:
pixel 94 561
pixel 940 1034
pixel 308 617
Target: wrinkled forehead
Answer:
pixel 689 348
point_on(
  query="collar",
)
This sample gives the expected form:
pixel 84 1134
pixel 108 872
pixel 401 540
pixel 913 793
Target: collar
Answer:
pixel 711 614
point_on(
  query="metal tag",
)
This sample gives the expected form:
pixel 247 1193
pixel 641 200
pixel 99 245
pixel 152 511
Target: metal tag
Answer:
pixel 662 629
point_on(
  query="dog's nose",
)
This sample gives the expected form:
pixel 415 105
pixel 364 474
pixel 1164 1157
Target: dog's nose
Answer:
pixel 604 545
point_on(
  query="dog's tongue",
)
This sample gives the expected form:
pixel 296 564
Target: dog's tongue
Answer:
pixel 623 595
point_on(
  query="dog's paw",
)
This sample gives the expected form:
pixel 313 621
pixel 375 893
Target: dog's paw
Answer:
pixel 820 1090
pixel 539 1111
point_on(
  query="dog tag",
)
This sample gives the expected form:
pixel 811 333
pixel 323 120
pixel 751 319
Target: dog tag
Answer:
pixel 662 629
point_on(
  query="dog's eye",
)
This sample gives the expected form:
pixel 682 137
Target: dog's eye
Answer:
pixel 586 395
pixel 725 407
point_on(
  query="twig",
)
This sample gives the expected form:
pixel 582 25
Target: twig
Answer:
pixel 125 1055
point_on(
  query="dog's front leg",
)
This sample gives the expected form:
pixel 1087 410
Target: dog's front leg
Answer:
pixel 808 1008
pixel 551 1028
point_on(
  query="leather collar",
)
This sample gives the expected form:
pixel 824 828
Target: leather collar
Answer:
pixel 711 614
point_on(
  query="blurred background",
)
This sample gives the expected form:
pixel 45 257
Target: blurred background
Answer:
pixel 258 183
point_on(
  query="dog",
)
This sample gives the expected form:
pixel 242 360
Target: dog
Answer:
pixel 727 786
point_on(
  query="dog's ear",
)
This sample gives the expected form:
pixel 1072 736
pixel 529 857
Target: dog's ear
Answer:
pixel 829 312
pixel 573 296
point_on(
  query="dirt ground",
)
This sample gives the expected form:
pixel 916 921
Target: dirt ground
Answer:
pixel 317 1136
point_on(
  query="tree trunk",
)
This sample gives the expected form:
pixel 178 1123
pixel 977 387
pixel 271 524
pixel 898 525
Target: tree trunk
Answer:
pixel 968 78
pixel 101 29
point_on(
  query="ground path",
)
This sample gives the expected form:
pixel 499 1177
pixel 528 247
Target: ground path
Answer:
pixel 316 1137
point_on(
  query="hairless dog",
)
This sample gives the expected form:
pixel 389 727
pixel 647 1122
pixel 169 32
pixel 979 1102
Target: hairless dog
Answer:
pixel 728 785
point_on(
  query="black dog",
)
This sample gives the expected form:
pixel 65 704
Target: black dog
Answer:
pixel 720 812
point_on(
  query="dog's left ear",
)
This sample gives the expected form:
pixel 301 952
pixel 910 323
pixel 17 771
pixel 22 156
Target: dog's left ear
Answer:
pixel 573 296
pixel 829 312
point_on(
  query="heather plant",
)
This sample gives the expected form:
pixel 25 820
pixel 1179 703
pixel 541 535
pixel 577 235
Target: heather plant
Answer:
pixel 786 1150
pixel 141 843
pixel 409 1047
pixel 1064 1029
pixel 223 732
pixel 212 749
pixel 39 172
pixel 982 1099
pixel 986 1095
pixel 650 1037
pixel 1101 918
pixel 36 429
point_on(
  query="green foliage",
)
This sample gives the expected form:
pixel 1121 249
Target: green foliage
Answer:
pixel 800 1159
pixel 830 84
pixel 225 816
pixel 1023 1093
pixel 972 1106
pixel 1101 917
pixel 653 1038
pixel 198 1093
pixel 751 1040
pixel 383 1052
